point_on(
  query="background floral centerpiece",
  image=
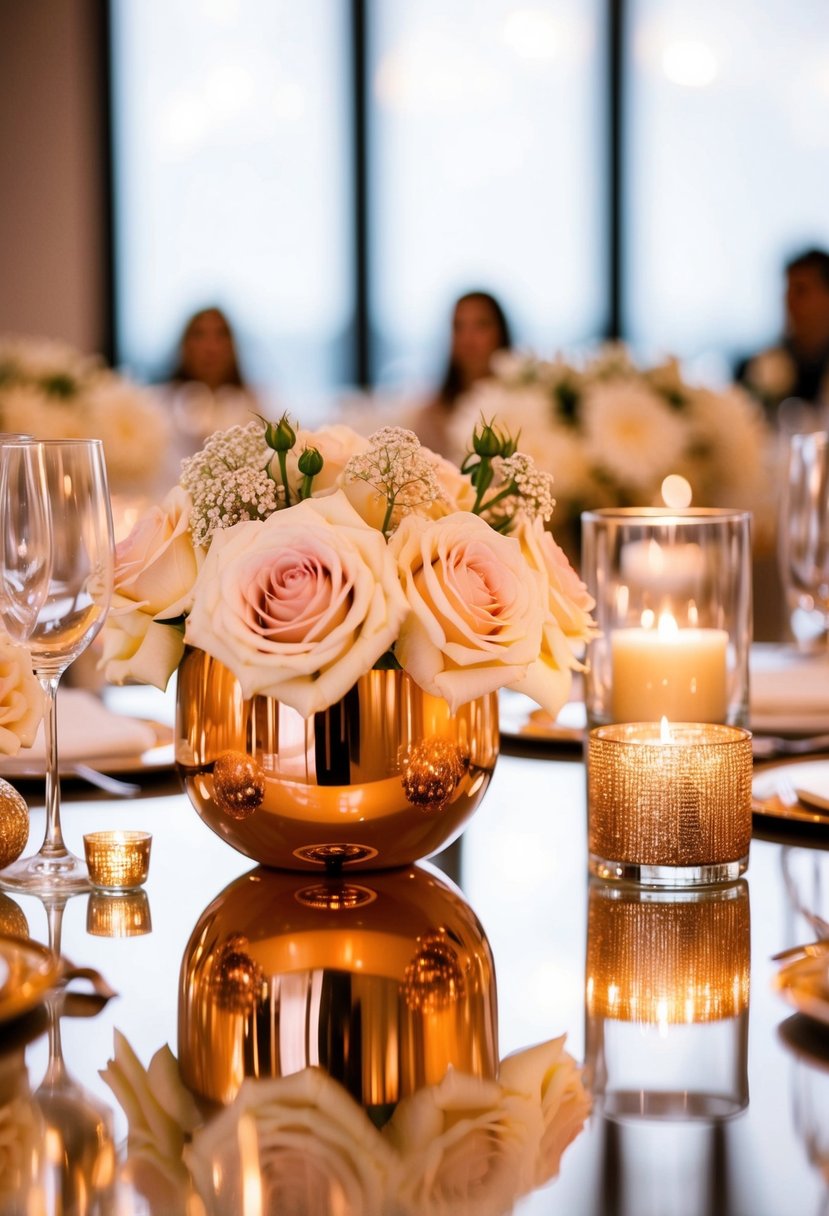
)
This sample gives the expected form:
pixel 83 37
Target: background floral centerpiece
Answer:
pixel 51 391
pixel 301 560
pixel 612 432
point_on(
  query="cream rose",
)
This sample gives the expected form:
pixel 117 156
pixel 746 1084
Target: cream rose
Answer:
pixel 567 621
pixel 336 444
pixel 475 607
pixel 298 606
pixel 160 1113
pixel 465 1145
pixel 315 1150
pixel 155 573
pixel 549 1076
pixel 21 698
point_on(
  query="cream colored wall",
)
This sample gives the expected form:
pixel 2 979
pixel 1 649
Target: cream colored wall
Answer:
pixel 51 238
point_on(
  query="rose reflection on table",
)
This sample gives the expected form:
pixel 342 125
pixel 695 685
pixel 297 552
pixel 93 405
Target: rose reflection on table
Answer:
pixel 340 1037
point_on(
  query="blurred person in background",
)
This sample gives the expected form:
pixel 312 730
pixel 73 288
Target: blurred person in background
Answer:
pixel 207 389
pixel 479 329
pixel 792 377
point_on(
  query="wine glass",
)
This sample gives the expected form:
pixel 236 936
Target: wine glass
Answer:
pixel 78 555
pixel 804 534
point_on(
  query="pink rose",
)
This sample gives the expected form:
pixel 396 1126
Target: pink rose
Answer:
pixel 298 606
pixel 475 606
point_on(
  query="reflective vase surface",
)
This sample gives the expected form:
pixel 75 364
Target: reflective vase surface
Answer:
pixel 383 980
pixel 382 778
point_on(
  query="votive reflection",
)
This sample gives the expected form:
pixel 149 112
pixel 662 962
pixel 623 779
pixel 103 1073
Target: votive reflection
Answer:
pixel 118 915
pixel 117 861
pixel 666 1001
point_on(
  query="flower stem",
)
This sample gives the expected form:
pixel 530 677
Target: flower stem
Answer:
pixel 283 469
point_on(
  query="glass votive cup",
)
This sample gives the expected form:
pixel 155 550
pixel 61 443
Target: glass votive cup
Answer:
pixel 117 861
pixel 669 806
pixel 118 914
pixel 673 593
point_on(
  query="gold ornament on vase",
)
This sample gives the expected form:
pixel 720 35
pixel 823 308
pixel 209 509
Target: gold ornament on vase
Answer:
pixel 14 824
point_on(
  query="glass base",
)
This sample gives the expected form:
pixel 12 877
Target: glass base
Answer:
pixel 682 1106
pixel 47 874
pixel 703 875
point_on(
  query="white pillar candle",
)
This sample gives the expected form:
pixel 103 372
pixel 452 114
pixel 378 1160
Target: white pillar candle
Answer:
pixel 680 674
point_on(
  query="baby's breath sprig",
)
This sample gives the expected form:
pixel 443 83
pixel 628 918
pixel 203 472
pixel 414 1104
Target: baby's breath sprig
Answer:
pixel 396 467
pixel 228 481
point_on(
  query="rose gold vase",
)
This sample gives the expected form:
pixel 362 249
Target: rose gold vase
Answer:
pixel 384 777
pixel 384 980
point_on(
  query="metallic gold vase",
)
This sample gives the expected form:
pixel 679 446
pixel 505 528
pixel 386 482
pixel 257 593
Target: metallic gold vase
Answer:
pixel 384 980
pixel 384 777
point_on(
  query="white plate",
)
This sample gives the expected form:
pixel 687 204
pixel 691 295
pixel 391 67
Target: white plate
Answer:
pixel 793 790
pixel 157 759
pixel 522 721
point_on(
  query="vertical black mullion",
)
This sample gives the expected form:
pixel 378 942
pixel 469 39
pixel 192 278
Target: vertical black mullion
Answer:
pixel 360 168
pixel 103 55
pixel 616 166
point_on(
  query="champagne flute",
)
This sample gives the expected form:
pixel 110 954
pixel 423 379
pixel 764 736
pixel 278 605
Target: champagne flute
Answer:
pixel 72 477
pixel 804 532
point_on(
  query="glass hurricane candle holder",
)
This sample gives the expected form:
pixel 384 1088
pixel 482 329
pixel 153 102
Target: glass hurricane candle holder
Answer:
pixel 117 861
pixel 674 612
pixel 669 806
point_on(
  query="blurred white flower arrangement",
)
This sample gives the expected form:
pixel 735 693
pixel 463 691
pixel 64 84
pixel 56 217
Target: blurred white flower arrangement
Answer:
pixel 611 432
pixel 51 391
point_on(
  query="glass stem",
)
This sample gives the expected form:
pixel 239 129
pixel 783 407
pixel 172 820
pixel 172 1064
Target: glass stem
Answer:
pixel 53 844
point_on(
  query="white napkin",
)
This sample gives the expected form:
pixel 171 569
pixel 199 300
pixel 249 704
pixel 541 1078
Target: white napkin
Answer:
pixel 789 690
pixel 87 729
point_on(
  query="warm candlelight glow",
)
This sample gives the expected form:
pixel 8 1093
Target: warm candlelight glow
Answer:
pixel 667 670
pixel 669 805
pixel 117 861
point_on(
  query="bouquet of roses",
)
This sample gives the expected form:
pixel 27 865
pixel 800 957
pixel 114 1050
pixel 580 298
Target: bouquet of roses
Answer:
pixel 614 431
pixel 51 391
pixel 301 560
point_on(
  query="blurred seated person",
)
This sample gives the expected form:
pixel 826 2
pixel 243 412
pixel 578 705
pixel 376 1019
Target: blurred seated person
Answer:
pixel 207 389
pixel 792 378
pixel 479 329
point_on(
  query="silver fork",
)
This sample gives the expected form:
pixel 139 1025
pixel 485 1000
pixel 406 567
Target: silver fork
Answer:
pixel 103 781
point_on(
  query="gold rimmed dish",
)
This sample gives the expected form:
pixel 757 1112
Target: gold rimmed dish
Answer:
pixel 28 971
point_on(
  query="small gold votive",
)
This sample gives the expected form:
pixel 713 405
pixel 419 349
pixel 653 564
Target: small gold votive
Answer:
pixel 117 861
pixel 669 806
pixel 118 915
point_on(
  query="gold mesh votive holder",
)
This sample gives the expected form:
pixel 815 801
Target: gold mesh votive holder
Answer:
pixel 118 914
pixel 117 861
pixel 669 808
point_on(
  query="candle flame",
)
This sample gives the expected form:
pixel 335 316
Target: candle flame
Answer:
pixel 665 735
pixel 667 624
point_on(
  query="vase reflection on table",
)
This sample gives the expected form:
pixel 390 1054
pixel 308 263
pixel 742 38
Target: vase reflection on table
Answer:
pixel 349 1028
pixel 58 565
